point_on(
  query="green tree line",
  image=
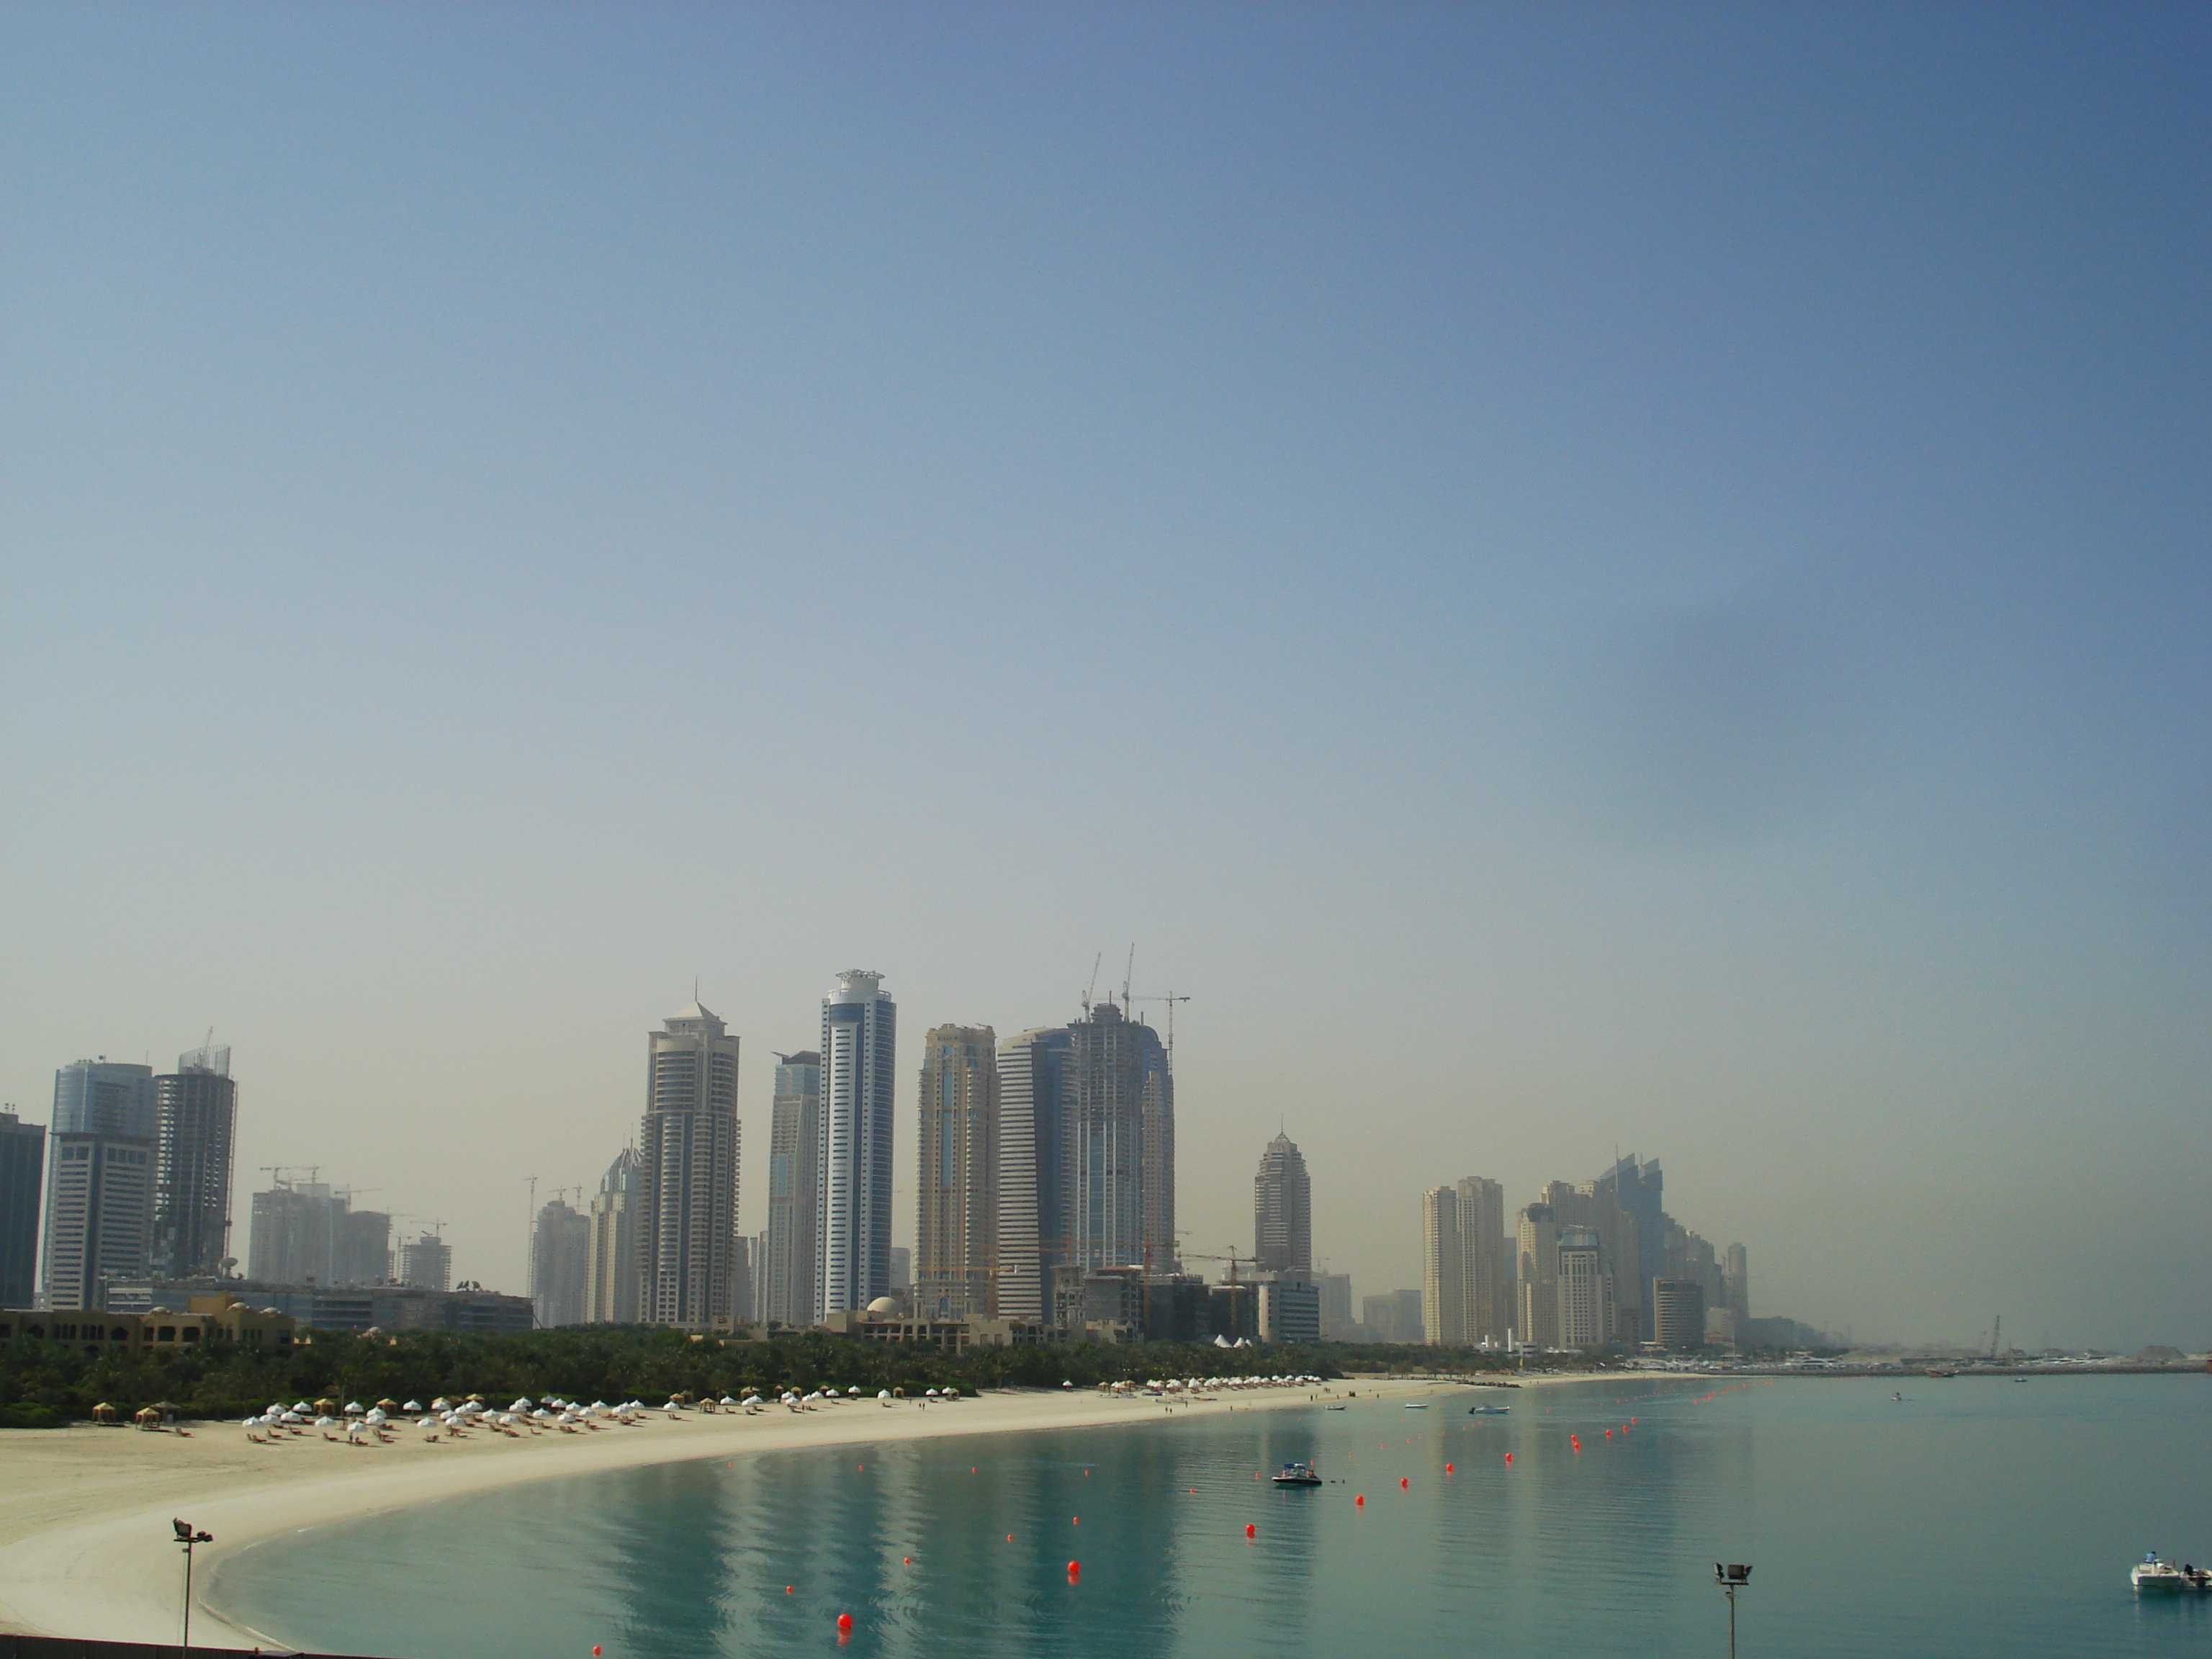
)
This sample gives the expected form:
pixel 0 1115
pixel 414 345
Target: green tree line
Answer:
pixel 48 1383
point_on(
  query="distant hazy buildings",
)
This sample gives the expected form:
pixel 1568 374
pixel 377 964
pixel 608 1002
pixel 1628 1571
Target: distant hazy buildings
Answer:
pixel 1393 1316
pixel 1680 1304
pixel 1735 1279
pixel 955 1237
pixel 1289 1308
pixel 196 1114
pixel 308 1232
pixel 786 1267
pixel 560 1255
pixel 1282 1210
pixel 1035 1171
pixel 22 1173
pixel 860 1028
pixel 687 1150
pixel 426 1263
pixel 1336 1321
pixel 611 1266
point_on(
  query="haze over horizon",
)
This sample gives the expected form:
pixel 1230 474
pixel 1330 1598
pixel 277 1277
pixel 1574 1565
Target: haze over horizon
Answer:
pixel 1580 579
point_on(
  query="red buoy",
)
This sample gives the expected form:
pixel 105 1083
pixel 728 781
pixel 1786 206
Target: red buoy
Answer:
pixel 845 1623
pixel 1448 1468
pixel 1075 1570
pixel 1608 1434
pixel 1359 1502
pixel 1577 1439
pixel 1401 1483
pixel 1509 1459
pixel 1251 1531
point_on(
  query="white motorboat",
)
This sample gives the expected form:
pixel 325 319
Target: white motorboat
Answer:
pixel 2157 1576
pixel 1417 1404
pixel 1297 1475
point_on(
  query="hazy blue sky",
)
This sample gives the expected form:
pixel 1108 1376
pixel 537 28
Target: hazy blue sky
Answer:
pixel 1576 577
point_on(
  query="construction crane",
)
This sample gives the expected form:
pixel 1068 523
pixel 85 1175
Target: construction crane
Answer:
pixel 1232 1259
pixel 1170 999
pixel 278 1172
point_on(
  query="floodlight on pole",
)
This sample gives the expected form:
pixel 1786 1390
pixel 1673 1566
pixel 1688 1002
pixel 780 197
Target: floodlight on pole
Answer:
pixel 1731 1578
pixel 186 1538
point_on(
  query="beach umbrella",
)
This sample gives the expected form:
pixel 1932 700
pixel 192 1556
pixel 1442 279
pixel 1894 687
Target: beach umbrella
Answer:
pixel 412 1407
pixel 377 1414
pixel 353 1408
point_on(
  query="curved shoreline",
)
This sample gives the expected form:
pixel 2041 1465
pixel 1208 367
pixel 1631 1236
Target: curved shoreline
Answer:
pixel 86 1548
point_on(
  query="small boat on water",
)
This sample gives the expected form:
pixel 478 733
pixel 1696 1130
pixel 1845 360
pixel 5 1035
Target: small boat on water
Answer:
pixel 1298 1475
pixel 2158 1576
pixel 1336 1408
pixel 1417 1404
pixel 1488 1411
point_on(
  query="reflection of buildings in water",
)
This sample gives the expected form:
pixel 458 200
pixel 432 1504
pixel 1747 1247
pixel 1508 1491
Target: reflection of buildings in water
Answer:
pixel 662 1553
pixel 1285 1574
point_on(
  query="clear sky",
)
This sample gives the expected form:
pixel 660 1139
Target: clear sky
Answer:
pixel 1579 577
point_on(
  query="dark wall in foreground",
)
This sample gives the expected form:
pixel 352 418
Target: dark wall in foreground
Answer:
pixel 71 1647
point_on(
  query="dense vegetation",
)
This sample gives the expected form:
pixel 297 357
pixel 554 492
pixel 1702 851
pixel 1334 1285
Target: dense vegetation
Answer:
pixel 45 1384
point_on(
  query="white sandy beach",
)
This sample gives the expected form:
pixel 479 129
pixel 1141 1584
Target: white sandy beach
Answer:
pixel 86 1548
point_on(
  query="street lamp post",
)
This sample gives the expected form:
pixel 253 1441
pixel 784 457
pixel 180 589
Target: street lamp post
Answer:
pixel 1731 1578
pixel 188 1538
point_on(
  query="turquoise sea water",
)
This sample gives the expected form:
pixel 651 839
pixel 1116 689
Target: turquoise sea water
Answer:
pixel 1976 1517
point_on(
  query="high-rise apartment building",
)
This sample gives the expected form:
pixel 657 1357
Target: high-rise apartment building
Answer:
pixel 688 1151
pixel 853 1226
pixel 1467 1277
pixel 1639 1190
pixel 611 1266
pixel 195 1113
pixel 956 1249
pixel 426 1263
pixel 22 1173
pixel 786 1267
pixel 1282 1210
pixel 104 1097
pixel 1036 1170
pixel 1443 1322
pixel 1585 1289
pixel 1538 1276
pixel 1393 1316
pixel 1681 1313
pixel 560 1258
pixel 99 1215
pixel 1735 1279
pixel 1120 1104
pixel 1595 1205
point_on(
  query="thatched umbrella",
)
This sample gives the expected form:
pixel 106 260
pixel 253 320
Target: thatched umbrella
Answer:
pixel 104 1413
pixel 148 1416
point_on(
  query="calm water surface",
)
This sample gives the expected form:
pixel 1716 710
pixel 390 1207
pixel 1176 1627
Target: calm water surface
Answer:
pixel 1976 1517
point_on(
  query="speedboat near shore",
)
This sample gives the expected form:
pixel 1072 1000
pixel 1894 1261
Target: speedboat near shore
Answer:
pixel 2160 1576
pixel 1488 1411
pixel 1298 1475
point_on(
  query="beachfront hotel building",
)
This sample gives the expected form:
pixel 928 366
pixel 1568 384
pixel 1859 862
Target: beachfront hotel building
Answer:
pixel 1282 1210
pixel 611 1266
pixel 688 1161
pixel 853 1220
pixel 196 1118
pixel 1121 1107
pixel 1585 1289
pixel 956 1237
pixel 785 1270
pixel 1035 1176
pixel 22 1173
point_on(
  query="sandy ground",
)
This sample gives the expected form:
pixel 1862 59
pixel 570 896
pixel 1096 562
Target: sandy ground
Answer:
pixel 86 1547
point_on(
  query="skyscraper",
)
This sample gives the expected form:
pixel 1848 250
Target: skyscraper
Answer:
pixel 853 1225
pixel 195 1112
pixel 1736 1278
pixel 1121 1110
pixel 688 1159
pixel 1485 1262
pixel 1585 1313
pixel 1336 1321
pixel 610 1268
pixel 1596 1205
pixel 560 1256
pixel 1282 1210
pixel 22 1172
pixel 789 1281
pixel 1639 1190
pixel 426 1263
pixel 99 1215
pixel 1538 1276
pixel 1036 1169
pixel 104 1097
pixel 100 1181
pixel 956 1232
pixel 1443 1323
